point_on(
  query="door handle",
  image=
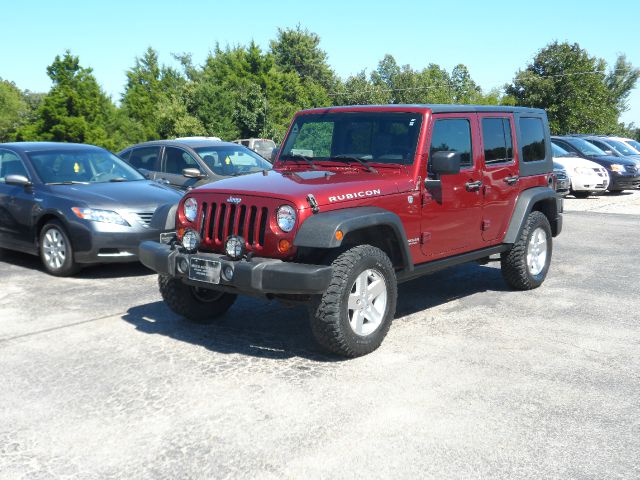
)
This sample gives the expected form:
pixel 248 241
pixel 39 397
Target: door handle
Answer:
pixel 473 186
pixel 511 180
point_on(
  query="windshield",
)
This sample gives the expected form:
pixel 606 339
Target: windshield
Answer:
pixel 380 137
pixel 230 161
pixel 621 147
pixel 81 166
pixel 264 144
pixel 559 151
pixel 586 148
pixel 634 144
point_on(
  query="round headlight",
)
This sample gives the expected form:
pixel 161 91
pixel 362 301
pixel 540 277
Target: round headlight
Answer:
pixel 190 209
pixel 234 247
pixel 286 217
pixel 191 240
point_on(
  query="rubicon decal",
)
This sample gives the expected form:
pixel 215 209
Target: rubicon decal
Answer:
pixel 354 195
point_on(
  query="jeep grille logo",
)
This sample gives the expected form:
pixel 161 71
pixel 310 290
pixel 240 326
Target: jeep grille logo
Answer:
pixel 235 200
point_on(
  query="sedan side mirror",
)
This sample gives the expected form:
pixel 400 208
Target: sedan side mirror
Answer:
pixel 17 180
pixel 192 173
pixel 445 163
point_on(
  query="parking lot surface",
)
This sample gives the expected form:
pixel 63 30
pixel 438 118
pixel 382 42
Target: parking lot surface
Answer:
pixel 100 380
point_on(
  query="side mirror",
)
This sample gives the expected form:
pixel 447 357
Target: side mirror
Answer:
pixel 445 163
pixel 192 173
pixel 274 154
pixel 17 180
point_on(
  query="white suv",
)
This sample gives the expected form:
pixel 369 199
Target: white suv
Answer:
pixel 586 177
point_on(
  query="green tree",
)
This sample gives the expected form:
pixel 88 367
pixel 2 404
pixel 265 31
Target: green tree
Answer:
pixel 572 86
pixel 621 80
pixel 14 110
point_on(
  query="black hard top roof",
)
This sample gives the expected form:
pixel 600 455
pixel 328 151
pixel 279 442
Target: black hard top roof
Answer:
pixel 46 146
pixel 434 107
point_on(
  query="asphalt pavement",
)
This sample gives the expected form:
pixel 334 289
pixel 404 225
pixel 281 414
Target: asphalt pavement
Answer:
pixel 98 379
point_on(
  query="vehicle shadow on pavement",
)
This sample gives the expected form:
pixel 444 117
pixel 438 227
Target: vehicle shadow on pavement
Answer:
pixel 258 328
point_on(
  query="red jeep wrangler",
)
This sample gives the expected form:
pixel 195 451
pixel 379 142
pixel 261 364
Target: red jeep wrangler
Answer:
pixel 361 199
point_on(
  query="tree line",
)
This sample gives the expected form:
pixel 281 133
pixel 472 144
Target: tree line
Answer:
pixel 243 91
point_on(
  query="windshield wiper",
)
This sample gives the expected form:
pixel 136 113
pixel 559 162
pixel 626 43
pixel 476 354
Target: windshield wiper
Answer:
pixel 306 159
pixel 360 160
pixel 68 182
pixel 119 179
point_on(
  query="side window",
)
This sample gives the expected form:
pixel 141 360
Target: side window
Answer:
pixel 11 164
pixel 125 155
pixel 452 135
pixel 496 135
pixel 244 142
pixel 532 139
pixel 177 160
pixel 145 157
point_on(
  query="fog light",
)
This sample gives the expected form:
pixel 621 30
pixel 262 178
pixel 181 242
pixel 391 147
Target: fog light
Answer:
pixel 234 247
pixel 284 246
pixel 191 241
pixel 183 265
pixel 227 272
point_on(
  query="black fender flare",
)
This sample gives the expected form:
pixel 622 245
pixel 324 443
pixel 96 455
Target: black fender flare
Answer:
pixel 526 200
pixel 164 218
pixel 319 230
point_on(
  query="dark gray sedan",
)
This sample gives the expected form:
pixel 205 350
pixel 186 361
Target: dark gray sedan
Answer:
pixel 188 163
pixel 75 204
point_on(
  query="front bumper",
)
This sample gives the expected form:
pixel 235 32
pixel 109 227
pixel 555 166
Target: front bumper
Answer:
pixel 254 276
pixel 589 183
pixel 624 182
pixel 110 244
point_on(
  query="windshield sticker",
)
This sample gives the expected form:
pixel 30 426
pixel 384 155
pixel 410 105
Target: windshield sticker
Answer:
pixel 76 167
pixel 413 120
pixel 354 195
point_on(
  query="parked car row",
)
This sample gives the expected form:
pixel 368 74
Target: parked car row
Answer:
pixel 597 163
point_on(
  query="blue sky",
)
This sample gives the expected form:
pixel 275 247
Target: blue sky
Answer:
pixel 493 39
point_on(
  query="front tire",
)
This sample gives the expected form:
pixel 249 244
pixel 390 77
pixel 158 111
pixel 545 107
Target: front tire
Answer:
pixel 525 265
pixel 354 315
pixel 56 251
pixel 200 305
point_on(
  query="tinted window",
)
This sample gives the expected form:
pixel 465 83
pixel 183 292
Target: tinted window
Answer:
pixel 176 160
pixel 11 164
pixel 380 137
pixel 585 147
pixel 125 155
pixel 145 157
pixel 452 135
pixel 558 151
pixel 532 139
pixel 496 135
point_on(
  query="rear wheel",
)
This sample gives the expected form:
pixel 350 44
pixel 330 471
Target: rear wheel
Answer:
pixel 201 305
pixel 354 315
pixel 525 265
pixel 56 251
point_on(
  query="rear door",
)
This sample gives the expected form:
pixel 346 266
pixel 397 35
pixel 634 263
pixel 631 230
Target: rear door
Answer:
pixel 451 214
pixel 500 174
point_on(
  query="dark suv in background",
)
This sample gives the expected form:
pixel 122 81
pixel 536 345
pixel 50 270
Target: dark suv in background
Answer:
pixel 189 163
pixel 624 174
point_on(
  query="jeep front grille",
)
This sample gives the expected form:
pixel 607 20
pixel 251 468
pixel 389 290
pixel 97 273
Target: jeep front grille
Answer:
pixel 220 220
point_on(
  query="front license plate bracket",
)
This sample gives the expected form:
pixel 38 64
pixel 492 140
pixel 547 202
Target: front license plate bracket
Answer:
pixel 204 270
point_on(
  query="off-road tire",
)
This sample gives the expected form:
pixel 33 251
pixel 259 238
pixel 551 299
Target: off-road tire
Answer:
pixel 69 266
pixel 184 300
pixel 513 262
pixel 329 312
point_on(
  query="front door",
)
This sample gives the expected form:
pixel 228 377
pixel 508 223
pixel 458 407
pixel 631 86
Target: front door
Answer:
pixel 452 212
pixel 175 160
pixel 500 179
pixel 16 205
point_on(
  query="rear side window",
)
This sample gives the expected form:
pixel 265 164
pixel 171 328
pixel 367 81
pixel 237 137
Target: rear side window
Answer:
pixel 145 157
pixel 496 135
pixel 452 135
pixel 532 139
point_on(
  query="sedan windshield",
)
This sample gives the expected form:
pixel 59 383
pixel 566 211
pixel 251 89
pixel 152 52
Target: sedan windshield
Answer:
pixel 634 144
pixel 621 147
pixel 559 151
pixel 81 166
pixel 587 148
pixel 378 137
pixel 230 161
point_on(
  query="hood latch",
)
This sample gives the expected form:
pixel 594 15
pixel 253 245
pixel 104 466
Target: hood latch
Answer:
pixel 313 203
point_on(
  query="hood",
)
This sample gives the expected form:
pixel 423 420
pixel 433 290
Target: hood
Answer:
pixel 610 160
pixel 143 195
pixel 574 162
pixel 330 186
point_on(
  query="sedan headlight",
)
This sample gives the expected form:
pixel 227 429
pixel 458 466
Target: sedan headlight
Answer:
pixel 286 217
pixel 616 167
pixel 95 215
pixel 190 209
pixel 583 171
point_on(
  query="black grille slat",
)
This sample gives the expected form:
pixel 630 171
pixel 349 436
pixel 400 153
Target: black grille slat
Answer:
pixel 212 221
pixel 203 219
pixel 252 225
pixel 241 219
pixel 263 226
pixel 221 221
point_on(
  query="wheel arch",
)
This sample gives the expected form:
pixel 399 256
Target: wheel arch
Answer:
pixel 359 225
pixel 541 199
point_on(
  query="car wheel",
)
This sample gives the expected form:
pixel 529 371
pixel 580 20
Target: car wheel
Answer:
pixel 354 315
pixel 581 194
pixel 201 305
pixel 525 265
pixel 56 251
